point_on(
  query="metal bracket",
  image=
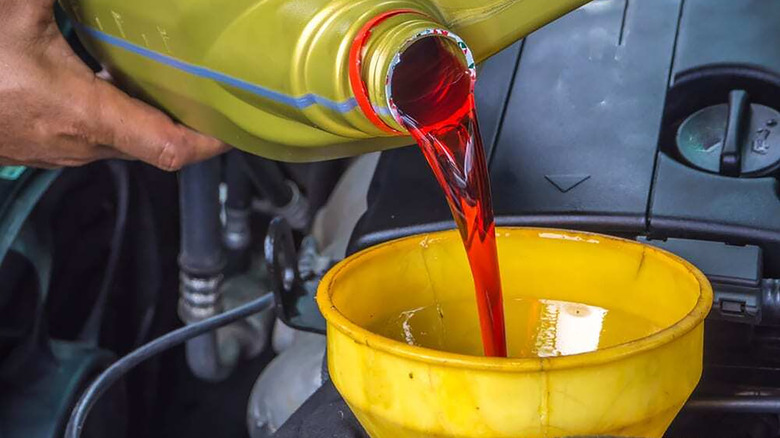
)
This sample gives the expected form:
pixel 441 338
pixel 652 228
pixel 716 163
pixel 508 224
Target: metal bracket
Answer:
pixel 295 304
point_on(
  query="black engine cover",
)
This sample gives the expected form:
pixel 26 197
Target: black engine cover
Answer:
pixel 580 121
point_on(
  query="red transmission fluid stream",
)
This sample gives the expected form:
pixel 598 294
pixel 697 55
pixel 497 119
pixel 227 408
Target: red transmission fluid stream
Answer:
pixel 433 92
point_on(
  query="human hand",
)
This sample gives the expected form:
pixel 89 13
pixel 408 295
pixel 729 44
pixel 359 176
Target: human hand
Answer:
pixel 54 111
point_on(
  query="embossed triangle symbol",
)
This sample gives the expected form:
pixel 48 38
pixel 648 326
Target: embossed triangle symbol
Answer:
pixel 564 183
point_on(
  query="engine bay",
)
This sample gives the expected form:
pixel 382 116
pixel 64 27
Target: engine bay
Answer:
pixel 616 118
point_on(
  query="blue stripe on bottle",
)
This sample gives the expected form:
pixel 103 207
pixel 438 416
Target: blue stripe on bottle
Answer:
pixel 302 102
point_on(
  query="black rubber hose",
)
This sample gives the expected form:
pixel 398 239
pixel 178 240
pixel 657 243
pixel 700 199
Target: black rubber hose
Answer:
pixel 239 193
pixel 121 367
pixel 268 180
pixel 91 331
pixel 201 230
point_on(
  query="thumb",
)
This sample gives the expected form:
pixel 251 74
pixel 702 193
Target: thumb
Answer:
pixel 136 129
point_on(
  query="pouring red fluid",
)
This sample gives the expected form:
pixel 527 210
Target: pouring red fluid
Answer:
pixel 433 91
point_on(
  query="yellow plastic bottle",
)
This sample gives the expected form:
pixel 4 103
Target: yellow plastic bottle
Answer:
pixel 272 77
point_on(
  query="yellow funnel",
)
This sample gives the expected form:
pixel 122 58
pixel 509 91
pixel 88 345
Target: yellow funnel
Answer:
pixel 400 391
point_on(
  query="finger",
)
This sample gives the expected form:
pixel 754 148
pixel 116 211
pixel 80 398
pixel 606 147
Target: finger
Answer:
pixel 5 161
pixel 82 157
pixel 32 163
pixel 20 15
pixel 140 131
pixel 96 153
pixel 56 157
pixel 99 153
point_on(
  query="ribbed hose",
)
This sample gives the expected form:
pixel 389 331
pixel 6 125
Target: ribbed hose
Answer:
pixel 202 262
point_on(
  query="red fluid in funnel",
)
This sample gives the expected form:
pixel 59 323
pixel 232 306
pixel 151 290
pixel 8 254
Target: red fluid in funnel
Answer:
pixel 433 91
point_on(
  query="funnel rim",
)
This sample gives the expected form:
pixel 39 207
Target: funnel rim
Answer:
pixel 695 317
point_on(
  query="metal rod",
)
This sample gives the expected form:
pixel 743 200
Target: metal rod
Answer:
pixel 741 404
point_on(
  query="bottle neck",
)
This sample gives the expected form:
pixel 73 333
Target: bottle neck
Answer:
pixel 380 48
